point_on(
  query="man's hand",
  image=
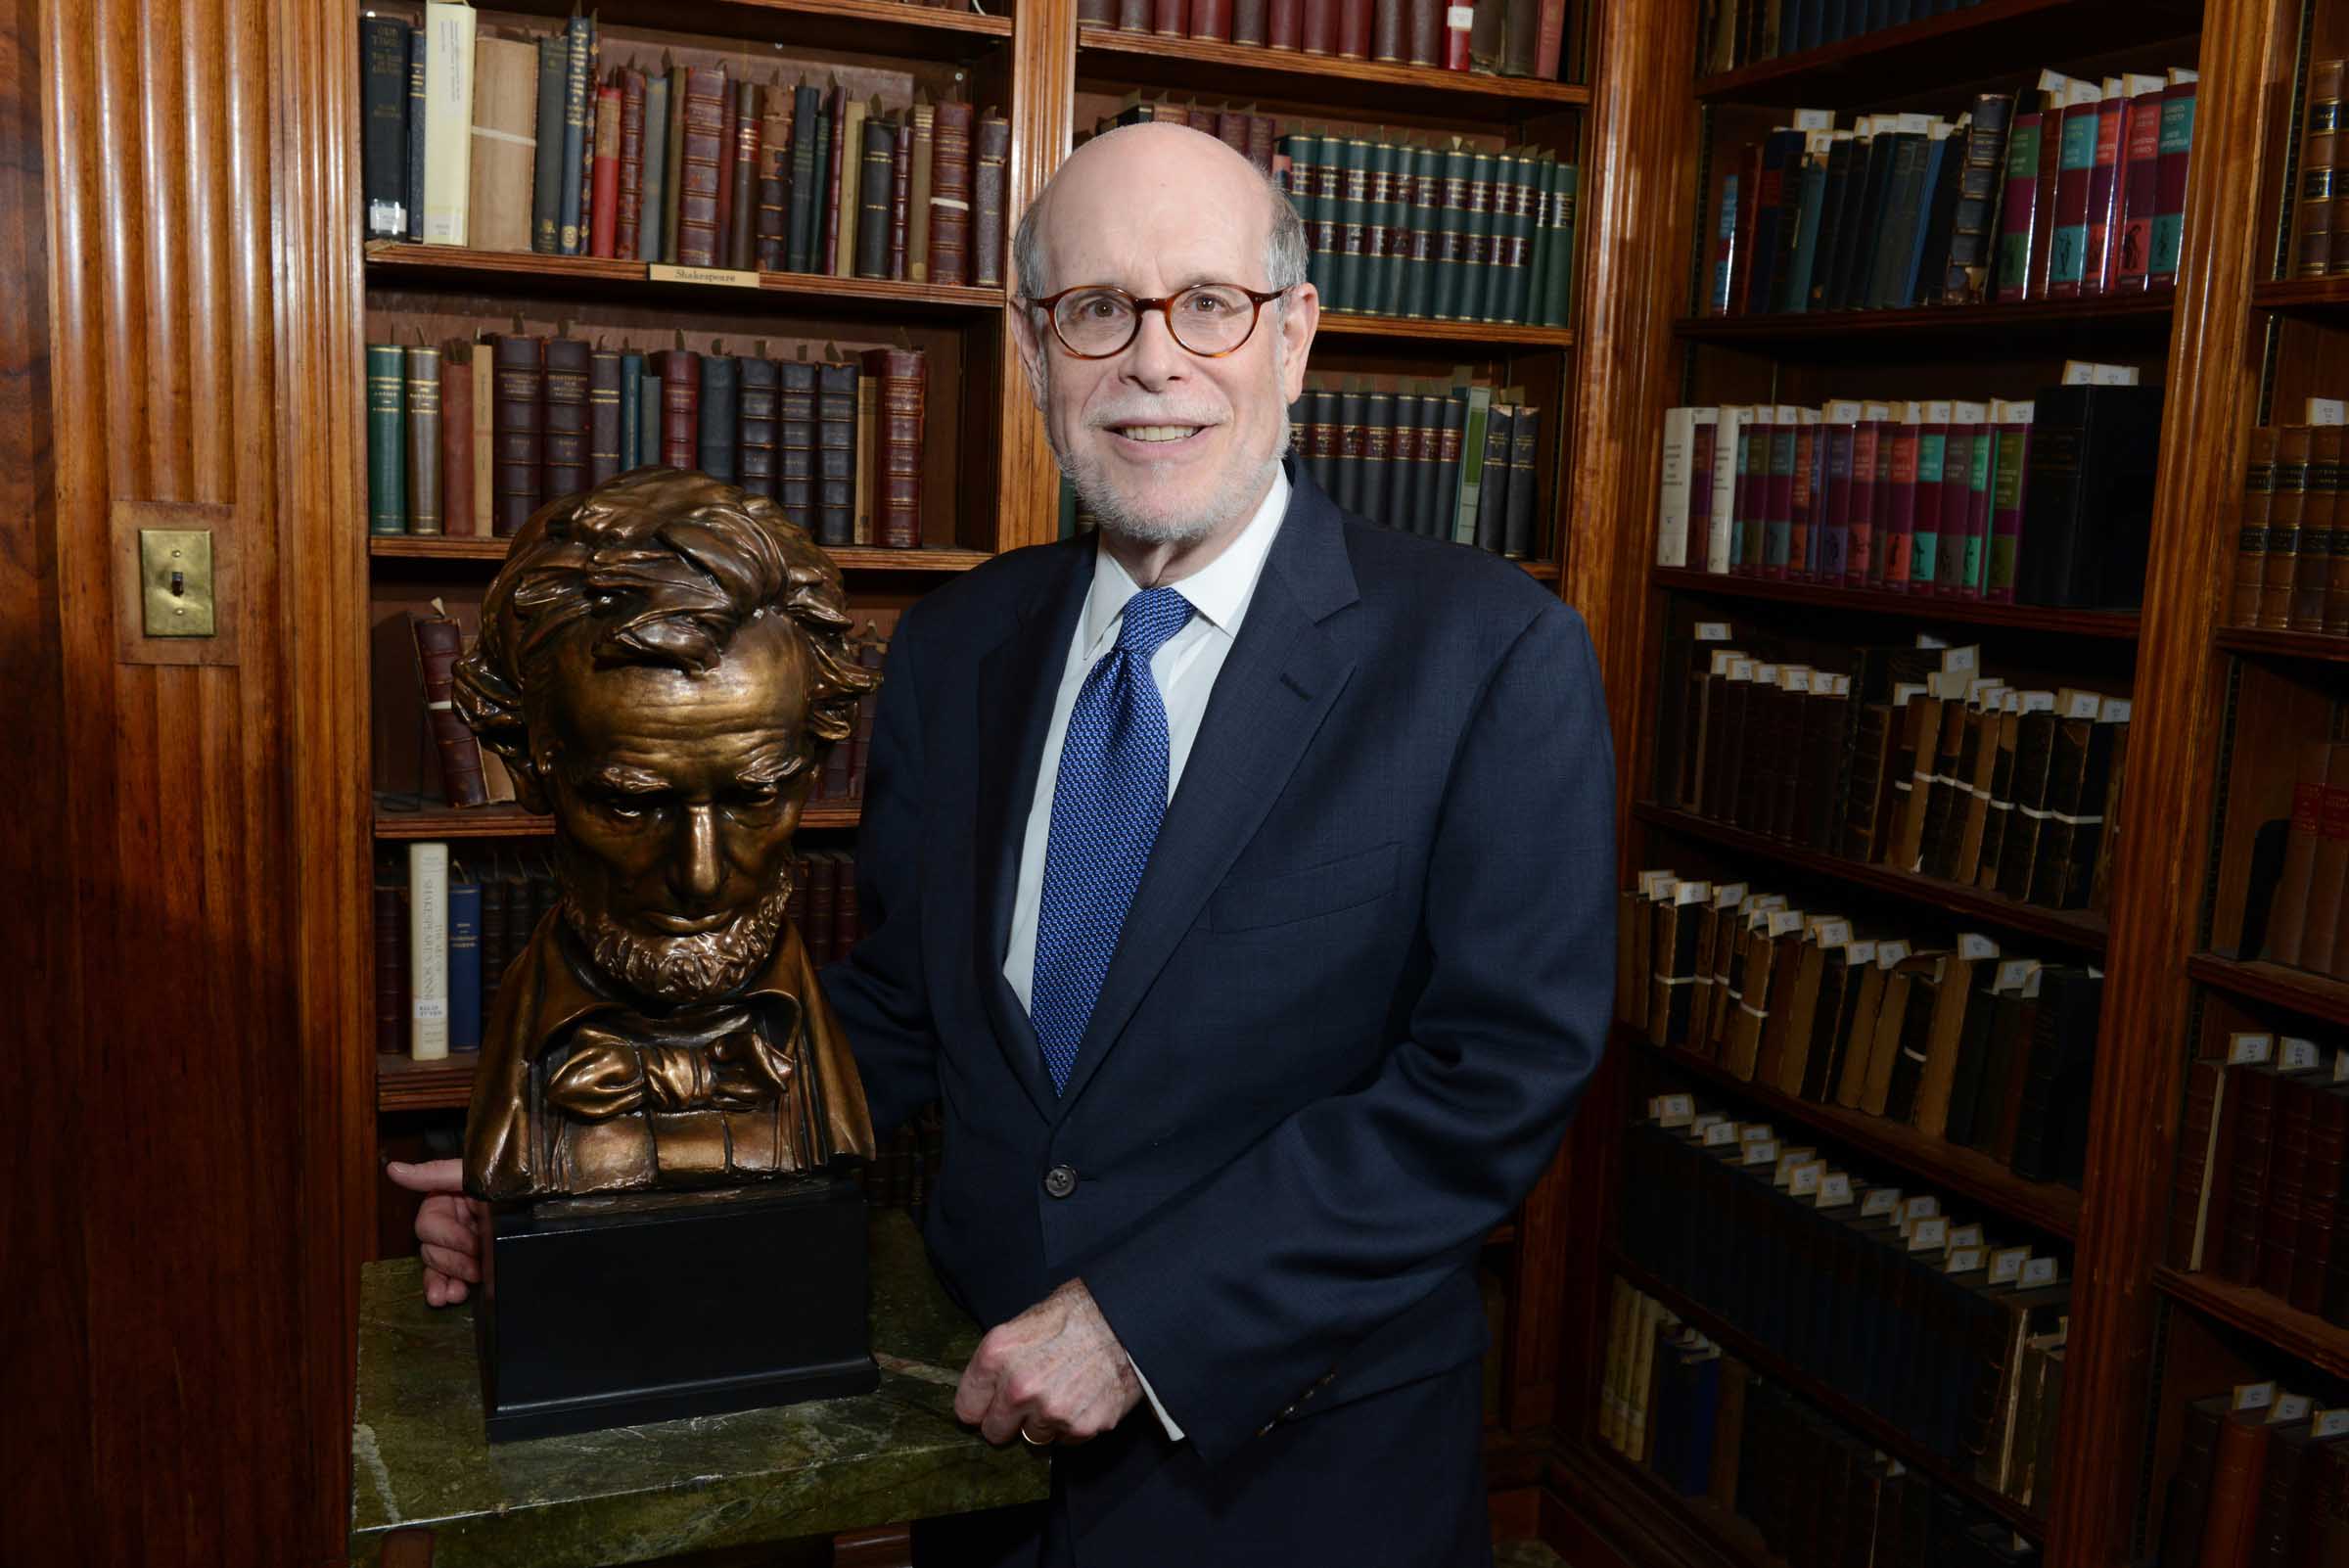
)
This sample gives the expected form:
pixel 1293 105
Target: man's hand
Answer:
pixel 1056 1372
pixel 448 1228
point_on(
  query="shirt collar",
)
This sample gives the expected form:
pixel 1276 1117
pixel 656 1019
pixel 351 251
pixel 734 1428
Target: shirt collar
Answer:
pixel 1219 591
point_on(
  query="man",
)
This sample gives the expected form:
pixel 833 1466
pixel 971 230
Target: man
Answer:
pixel 1241 884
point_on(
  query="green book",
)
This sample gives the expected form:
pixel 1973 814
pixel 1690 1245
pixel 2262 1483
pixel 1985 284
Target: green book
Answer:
pixel 651 232
pixel 1297 181
pixel 1969 561
pixel 386 440
pixel 1389 218
pixel 1451 234
pixel 1932 451
pixel 1806 235
pixel 1422 211
pixel 1512 239
pixel 631 409
pixel 2011 457
pixel 2067 247
pixel 1538 247
pixel 1474 429
pixel 648 416
pixel 1561 254
pixel 1476 277
pixel 1350 277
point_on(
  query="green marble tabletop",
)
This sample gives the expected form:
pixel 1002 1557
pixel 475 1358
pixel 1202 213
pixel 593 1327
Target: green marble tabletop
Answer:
pixel 636 1494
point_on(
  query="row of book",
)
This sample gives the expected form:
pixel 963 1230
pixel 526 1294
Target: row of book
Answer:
pixel 1709 1426
pixel 1734 34
pixel 532 144
pixel 2048 501
pixel 1908 757
pixel 1489 38
pixel 1447 231
pixel 2069 190
pixel 2263 1160
pixel 448 928
pixel 2304 926
pixel 1450 461
pixel 2262 1482
pixel 473 438
pixel 905 1164
pixel 2320 204
pixel 2292 561
pixel 1981 1049
pixel 1877 1294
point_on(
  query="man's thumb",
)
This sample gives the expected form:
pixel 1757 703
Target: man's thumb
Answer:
pixel 431 1176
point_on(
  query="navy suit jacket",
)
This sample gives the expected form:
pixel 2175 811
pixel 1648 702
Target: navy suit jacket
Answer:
pixel 1366 973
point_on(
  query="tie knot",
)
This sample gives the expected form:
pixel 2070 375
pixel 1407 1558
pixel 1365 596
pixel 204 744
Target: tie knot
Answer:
pixel 1151 616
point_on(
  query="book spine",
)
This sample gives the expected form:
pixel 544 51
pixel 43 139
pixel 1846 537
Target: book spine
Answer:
pixel 1169 19
pixel 795 429
pixel 438 642
pixel 424 440
pixel 705 128
pixel 1134 16
pixel 718 427
pixel 755 458
pixel 879 154
pixel 835 163
pixel 464 965
pixel 448 36
pixel 1093 12
pixel 1211 20
pixel 900 193
pixel 418 107
pixel 836 454
pixel 386 438
pixel 742 215
pixel 1354 28
pixel 1284 25
pixel 917 196
pixel 901 377
pixel 1423 32
pixel 2013 456
pixel 566 416
pixel 2169 205
pixel 2287 504
pixel 950 195
pixel 2312 253
pixel 993 151
pixel 2321 535
pixel 456 440
pixel 1387 32
pixel 384 122
pixel 628 235
pixel 2140 183
pixel 681 407
pixel 804 136
pixel 428 951
pixel 2097 270
pixel 391 943
pixel 603 415
pixel 577 136
pixel 1249 23
pixel 772 238
pixel 673 168
pixel 1459 36
pixel 632 412
pixel 2251 528
pixel 659 196
pixel 1518 542
pixel 1486 32
pixel 603 224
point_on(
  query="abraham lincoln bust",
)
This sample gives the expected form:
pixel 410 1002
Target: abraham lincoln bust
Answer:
pixel 662 662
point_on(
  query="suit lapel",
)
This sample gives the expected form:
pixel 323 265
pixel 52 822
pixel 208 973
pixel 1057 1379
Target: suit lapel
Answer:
pixel 1018 679
pixel 1281 678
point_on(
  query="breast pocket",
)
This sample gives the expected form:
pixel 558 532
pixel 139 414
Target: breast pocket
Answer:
pixel 1326 888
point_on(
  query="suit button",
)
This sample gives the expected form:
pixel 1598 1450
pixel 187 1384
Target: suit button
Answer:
pixel 1060 1180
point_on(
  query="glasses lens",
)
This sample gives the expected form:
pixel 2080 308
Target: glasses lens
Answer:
pixel 1213 318
pixel 1094 321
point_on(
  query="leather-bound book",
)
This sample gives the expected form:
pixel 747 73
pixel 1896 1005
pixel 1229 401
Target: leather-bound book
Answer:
pixel 1094 13
pixel 863 500
pixel 649 431
pixel 1520 37
pixel 605 458
pixel 546 159
pixel 1387 32
pixel 805 132
pixel 1318 25
pixel 603 220
pixel 2187 1496
pixel 577 140
pixel 2286 504
pixel 2033 757
pixel 2321 1198
pixel 2287 910
pixel 2249 1142
pixel 1355 28
pixel 423 428
pixel 628 215
pixel 505 104
pixel 495 956
pixel 457 501
pixel 681 407
pixel 836 454
pixel 2286 1528
pixel 2076 779
pixel 2197 1168
pixel 632 405
pixel 566 416
pixel 2321 530
pixel 901 193
pixel 924 132
pixel 2320 943
pixel 742 176
pixel 901 376
pixel 1284 23
pixel 2087 506
pixel 2169 206
pixel 795 422
pixel 1211 20
pixel 754 457
pixel 659 196
pixel 518 420
pixel 383 118
pixel 835 161
pixel 2237 1473
pixel 1134 16
pixel 2251 526
pixel 438 642
pixel 950 196
pixel 418 109
pixel 390 964
pixel 1248 21
pixel 1169 18
pixel 1460 27
pixel 1485 39
pixel 773 227
pixel 720 428
pixel 878 157
pixel 2279 1218
pixel 992 151
pixel 2050 1141
pixel 707 124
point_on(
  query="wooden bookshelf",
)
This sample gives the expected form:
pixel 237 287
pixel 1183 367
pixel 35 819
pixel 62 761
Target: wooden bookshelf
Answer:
pixel 1221 69
pixel 2315 996
pixel 1480 335
pixel 2116 624
pixel 2318 300
pixel 886 27
pixel 1857 1417
pixel 1736 1539
pixel 2076 929
pixel 570 276
pixel 1988 40
pixel 2305 1335
pixel 404 1084
pixel 2313 646
pixel 513 822
pixel 1962 1172
pixel 2036 325
pixel 493 551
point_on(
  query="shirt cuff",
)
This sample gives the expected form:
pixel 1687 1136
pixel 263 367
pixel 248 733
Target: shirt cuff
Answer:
pixel 1173 1432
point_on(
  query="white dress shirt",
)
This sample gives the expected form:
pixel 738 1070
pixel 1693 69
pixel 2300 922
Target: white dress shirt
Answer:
pixel 1186 667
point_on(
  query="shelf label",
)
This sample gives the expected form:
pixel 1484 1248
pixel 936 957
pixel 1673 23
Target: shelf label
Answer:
pixel 1889 954
pixel 1720 1134
pixel 2298 1054
pixel 1880 1201
pixel 1755 1132
pixel 1711 631
pixel 724 277
pixel 1966 1237
pixel 2007 1265
pixel 2038 1272
pixel 2254 1396
pixel 1706 1122
pixel 2249 1051
pixel 1865 952
pixel 1784 1176
pixel 2289 1407
pixel 1765 1152
pixel 1834 1191
pixel 1678 1110
pixel 1929 1235
pixel 1924 1205
pixel 2333 1423
pixel 1963 1259
pixel 1805 1178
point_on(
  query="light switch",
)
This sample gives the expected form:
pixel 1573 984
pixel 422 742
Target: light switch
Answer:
pixel 175 581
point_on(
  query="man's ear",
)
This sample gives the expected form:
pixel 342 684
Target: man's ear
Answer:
pixel 1300 319
pixel 1029 337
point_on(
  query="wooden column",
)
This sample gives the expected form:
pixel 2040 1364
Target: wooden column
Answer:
pixel 1043 75
pixel 2159 853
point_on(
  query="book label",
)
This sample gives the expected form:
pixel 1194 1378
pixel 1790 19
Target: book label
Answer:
pixel 1966 1237
pixel 1975 947
pixel 722 277
pixel 1763 1153
pixel 1889 954
pixel 1806 1178
pixel 1711 631
pixel 2013 973
pixel 1707 1123
pixel 1880 1201
pixel 1678 1110
pixel 1756 1132
pixel 2289 1407
pixel 1720 1134
pixel 2007 1265
pixel 2299 1055
pixel 1865 952
pixel 1788 1162
pixel 2333 1423
pixel 1834 1191
pixel 2249 1049
pixel 1963 1259
pixel 2038 1273
pixel 1834 932
pixel 1929 1235
pixel 1924 1205
pixel 2253 1395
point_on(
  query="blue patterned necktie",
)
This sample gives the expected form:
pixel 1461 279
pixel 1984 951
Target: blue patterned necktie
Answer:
pixel 1107 802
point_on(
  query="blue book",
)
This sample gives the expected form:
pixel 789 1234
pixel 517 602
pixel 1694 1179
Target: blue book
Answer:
pixel 1923 220
pixel 415 234
pixel 631 410
pixel 1696 1476
pixel 1725 236
pixel 464 962
pixel 1806 238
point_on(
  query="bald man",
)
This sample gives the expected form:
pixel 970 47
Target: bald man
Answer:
pixel 1239 881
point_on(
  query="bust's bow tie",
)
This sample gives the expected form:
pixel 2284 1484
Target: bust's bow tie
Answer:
pixel 608 1075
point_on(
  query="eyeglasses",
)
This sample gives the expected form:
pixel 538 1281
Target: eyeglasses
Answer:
pixel 1094 321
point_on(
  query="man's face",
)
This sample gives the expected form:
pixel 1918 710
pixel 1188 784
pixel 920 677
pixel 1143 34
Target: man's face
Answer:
pixel 1164 444
pixel 675 797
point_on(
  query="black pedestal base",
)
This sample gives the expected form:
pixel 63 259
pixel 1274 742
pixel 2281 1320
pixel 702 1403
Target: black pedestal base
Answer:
pixel 616 1311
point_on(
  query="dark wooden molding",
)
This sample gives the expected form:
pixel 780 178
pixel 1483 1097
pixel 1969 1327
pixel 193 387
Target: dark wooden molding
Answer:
pixel 1142 58
pixel 2117 624
pixel 2322 1345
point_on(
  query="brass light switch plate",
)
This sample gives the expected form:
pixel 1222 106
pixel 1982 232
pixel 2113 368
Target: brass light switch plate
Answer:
pixel 175 581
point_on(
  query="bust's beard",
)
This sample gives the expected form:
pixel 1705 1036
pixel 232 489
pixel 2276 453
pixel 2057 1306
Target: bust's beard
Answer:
pixel 681 970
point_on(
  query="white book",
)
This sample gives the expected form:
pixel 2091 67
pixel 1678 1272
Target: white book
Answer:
pixel 447 120
pixel 428 951
pixel 1731 419
pixel 1672 506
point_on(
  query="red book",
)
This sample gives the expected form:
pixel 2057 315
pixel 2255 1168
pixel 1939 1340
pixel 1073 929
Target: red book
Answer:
pixel 1804 498
pixel 2169 198
pixel 1835 520
pixel 2042 207
pixel 1549 42
pixel 2140 183
pixel 604 225
pixel 2075 172
pixel 1211 19
pixel 1353 29
pixel 1320 36
pixel 2103 195
pixel 1284 23
pixel 681 407
pixel 628 241
pixel 456 438
pixel 2319 1200
pixel 1459 27
pixel 1899 521
pixel 1167 18
pixel 1957 500
pixel 1777 506
pixel 2016 207
pixel 1860 533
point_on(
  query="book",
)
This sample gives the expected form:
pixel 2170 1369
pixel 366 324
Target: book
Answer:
pixel 681 407
pixel 386 438
pixel 706 126
pixel 417 112
pixel 718 424
pixel 603 214
pixel 454 457
pixel 384 126
pixel 836 454
pixel 2177 138
pixel 503 144
pixel 391 947
pixel 428 951
pixel 659 195
pixel 565 471
pixel 2087 506
pixel 950 194
pixel 464 960
pixel 422 425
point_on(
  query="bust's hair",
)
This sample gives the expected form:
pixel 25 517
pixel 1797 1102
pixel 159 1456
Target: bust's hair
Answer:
pixel 657 567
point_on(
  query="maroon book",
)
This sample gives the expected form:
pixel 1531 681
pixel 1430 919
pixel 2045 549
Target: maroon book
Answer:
pixel 1211 19
pixel 681 407
pixel 603 228
pixel 1248 21
pixel 1092 13
pixel 827 249
pixel 900 193
pixel 1169 19
pixel 903 376
pixel 456 438
pixel 517 413
pixel 1134 16
pixel 1284 23
pixel 627 240
pixel 1387 32
pixel 1354 28
pixel 1320 36
pixel 1423 32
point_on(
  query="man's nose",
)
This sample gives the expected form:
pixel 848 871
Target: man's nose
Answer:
pixel 1154 357
pixel 699 869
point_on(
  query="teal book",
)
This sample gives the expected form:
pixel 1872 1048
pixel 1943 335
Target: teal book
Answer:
pixel 386 440
pixel 631 409
pixel 1474 432
pixel 1476 274
pixel 648 416
pixel 1525 213
pixel 1979 482
pixel 1351 276
pixel 1451 233
pixel 1806 235
pixel 1561 255
pixel 1777 526
pixel 1536 254
pixel 1389 242
pixel 578 94
pixel 652 228
pixel 546 161
pixel 2067 247
pixel 1424 211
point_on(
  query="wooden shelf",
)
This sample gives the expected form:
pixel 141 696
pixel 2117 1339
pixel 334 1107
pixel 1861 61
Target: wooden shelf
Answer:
pixel 2315 995
pixel 2071 928
pixel 393 264
pixel 1988 330
pixel 2319 646
pixel 1646 1507
pixel 2303 1334
pixel 1994 39
pixel 404 1084
pixel 2325 299
pixel 2119 624
pixel 1866 1422
pixel 1962 1172
pixel 513 822
pixel 1484 334
pixel 490 552
pixel 860 26
pixel 1221 69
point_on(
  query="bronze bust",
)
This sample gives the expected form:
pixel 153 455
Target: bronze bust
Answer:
pixel 662 664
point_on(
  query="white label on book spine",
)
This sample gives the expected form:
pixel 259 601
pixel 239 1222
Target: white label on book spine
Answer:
pixel 1975 947
pixel 1679 1110
pixel 1720 1134
pixel 1965 1260
pixel 1765 1152
pixel 2333 1423
pixel 2039 1272
pixel 2007 1265
pixel 2254 1396
pixel 1834 1191
pixel 1804 1181
pixel 1928 1236
pixel 1880 1200
pixel 1966 1237
pixel 1889 954
pixel 2249 1049
pixel 2289 1407
pixel 2298 1054
pixel 1755 1132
